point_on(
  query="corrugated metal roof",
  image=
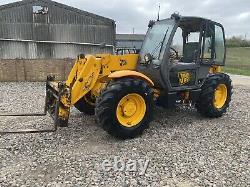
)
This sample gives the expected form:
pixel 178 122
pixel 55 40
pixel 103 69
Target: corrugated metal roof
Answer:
pixel 24 2
pixel 133 37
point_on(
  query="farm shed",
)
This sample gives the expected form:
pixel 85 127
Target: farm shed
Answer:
pixel 44 36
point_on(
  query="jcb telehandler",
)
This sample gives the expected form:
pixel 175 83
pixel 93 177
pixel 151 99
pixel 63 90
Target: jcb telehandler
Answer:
pixel 180 62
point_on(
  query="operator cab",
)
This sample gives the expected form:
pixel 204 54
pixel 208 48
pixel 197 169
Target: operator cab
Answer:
pixel 178 52
pixel 185 43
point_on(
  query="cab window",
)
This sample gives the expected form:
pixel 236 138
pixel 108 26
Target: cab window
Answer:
pixel 186 44
pixel 207 52
pixel 214 46
pixel 177 42
pixel 193 37
pixel 219 45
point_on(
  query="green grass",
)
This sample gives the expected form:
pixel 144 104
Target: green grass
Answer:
pixel 238 61
pixel 236 71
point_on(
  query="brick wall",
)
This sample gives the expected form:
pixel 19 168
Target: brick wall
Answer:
pixel 34 70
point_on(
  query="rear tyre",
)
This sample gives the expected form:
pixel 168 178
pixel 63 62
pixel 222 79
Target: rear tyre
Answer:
pixel 83 106
pixel 215 96
pixel 125 107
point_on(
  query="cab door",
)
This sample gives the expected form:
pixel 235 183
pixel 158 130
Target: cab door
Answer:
pixel 184 59
pixel 214 51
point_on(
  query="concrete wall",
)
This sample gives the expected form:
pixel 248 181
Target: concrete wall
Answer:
pixel 34 70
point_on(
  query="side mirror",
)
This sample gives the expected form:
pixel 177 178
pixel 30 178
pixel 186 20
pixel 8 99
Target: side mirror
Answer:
pixel 103 45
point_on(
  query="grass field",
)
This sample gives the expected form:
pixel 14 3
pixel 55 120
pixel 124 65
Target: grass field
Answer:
pixel 238 61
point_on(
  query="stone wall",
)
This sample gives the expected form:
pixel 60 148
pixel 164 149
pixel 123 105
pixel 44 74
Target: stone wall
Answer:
pixel 34 70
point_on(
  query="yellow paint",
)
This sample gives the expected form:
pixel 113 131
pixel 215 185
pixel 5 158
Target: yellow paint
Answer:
pixel 79 64
pixel 184 77
pixel 86 78
pixel 157 92
pixel 215 69
pixel 66 97
pixel 111 63
pixel 98 87
pixel 64 113
pixel 131 110
pixel 129 73
pixel 91 73
pixel 220 96
pixel 186 95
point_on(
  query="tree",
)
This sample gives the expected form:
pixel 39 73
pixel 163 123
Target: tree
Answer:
pixel 237 41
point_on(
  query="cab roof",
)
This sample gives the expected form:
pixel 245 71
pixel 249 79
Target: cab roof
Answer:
pixel 191 23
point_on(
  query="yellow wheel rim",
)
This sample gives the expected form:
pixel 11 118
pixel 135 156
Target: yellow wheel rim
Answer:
pixel 220 96
pixel 131 110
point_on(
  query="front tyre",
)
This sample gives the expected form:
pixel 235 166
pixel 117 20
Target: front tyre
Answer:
pixel 125 108
pixel 86 105
pixel 215 95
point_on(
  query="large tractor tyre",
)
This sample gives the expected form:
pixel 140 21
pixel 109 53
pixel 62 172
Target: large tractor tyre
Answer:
pixel 125 107
pixel 215 96
pixel 85 107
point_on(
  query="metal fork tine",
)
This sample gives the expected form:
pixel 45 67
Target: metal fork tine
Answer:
pixel 32 114
pixel 26 131
pixel 29 131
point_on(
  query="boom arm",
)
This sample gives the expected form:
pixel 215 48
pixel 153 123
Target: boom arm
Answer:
pixel 83 77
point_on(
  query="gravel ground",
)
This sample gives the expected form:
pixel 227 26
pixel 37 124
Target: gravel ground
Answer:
pixel 240 80
pixel 183 148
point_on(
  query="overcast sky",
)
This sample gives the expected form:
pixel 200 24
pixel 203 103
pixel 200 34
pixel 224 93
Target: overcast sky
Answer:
pixel 129 14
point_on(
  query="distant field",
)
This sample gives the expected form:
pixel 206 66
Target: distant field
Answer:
pixel 238 61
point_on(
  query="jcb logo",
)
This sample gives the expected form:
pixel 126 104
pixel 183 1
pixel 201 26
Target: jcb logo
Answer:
pixel 184 77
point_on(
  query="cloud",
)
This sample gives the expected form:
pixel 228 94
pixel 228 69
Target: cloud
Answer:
pixel 244 15
pixel 129 14
pixel 207 2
